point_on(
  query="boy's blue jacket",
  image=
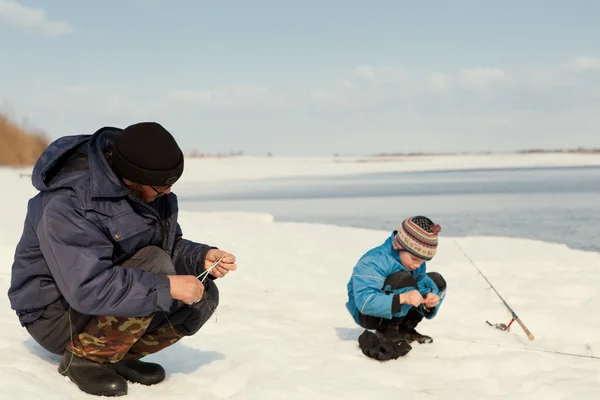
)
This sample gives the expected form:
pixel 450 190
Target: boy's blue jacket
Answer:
pixel 366 293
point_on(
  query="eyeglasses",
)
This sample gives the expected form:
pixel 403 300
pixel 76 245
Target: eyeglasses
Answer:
pixel 161 191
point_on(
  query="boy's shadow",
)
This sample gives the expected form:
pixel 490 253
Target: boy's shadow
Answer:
pixel 176 359
pixel 349 333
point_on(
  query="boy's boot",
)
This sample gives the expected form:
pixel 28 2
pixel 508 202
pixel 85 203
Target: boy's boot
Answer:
pixel 381 349
pixel 406 329
pixel 403 329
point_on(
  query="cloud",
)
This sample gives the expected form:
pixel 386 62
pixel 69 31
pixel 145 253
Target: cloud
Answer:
pixel 380 74
pixel 33 20
pixel 367 109
pixel 93 106
pixel 470 108
pixel 343 94
pixel 368 86
pixel 586 63
pixel 438 81
pixel 232 97
pixel 473 89
pixel 368 91
pixel 482 77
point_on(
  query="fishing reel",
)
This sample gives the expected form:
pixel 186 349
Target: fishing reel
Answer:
pixel 501 326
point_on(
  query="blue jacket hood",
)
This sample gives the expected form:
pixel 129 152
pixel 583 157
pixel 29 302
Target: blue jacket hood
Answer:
pixel 103 181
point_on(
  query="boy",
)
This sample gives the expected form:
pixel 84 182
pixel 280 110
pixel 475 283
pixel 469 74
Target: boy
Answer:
pixel 391 292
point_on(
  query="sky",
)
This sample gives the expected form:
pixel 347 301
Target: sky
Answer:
pixel 309 78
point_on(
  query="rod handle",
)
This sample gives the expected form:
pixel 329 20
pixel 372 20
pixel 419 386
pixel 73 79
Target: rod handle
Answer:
pixel 529 335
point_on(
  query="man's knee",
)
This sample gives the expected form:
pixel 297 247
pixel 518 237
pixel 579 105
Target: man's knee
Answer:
pixel 438 279
pixel 201 312
pixel 151 259
pixel 399 280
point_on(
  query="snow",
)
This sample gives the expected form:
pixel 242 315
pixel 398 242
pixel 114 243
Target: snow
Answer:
pixel 250 168
pixel 282 331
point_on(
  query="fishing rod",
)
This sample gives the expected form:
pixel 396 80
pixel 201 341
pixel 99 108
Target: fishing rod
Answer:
pixel 515 317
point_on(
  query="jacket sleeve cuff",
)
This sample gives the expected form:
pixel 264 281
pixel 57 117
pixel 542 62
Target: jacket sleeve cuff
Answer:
pixel 396 306
pixel 164 301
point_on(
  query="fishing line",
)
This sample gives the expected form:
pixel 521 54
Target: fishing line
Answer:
pixel 211 304
pixel 209 269
pixel 561 353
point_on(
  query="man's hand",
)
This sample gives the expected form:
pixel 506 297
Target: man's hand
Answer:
pixel 413 298
pixel 431 300
pixel 186 288
pixel 223 267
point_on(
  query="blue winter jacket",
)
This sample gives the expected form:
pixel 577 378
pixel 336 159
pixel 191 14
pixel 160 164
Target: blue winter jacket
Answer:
pixel 366 291
pixel 81 225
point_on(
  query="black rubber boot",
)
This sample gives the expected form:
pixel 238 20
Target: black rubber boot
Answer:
pixel 375 347
pixel 92 377
pixel 390 334
pixel 407 330
pixel 142 372
pixel 404 331
pixel 410 335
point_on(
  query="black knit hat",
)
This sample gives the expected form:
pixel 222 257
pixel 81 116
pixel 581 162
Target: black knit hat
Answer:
pixel 146 153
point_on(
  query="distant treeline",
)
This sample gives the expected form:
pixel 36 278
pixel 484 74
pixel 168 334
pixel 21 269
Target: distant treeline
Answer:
pixel 526 151
pixel 577 150
pixel 417 154
pixel 198 154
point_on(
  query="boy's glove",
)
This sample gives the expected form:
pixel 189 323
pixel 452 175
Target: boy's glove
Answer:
pixel 374 347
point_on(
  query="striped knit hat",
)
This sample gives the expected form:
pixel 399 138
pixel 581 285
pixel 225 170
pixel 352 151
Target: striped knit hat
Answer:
pixel 417 235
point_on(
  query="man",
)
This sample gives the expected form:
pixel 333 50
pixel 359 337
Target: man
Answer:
pixel 390 290
pixel 102 274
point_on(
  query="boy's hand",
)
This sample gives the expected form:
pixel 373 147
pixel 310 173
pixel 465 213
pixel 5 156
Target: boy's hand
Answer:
pixel 413 298
pixel 431 300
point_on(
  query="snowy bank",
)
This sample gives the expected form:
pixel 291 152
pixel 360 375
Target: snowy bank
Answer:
pixel 282 331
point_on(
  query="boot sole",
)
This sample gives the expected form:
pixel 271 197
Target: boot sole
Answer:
pixel 111 393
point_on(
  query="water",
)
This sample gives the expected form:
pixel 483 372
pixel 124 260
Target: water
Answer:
pixel 560 205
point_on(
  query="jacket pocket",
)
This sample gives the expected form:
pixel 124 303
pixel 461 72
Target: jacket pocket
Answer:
pixel 128 225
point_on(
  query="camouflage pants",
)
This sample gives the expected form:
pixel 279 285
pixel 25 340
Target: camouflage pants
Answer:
pixel 112 338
